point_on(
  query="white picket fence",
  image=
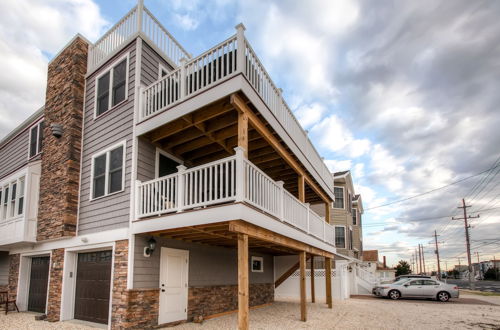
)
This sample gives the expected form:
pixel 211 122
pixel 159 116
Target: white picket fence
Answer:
pixel 230 179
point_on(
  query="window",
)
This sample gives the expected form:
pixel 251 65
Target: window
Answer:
pixel 340 237
pixel 339 197
pixel 350 238
pixel 112 87
pixel 349 201
pixel 108 171
pixel 36 138
pixel 417 282
pixel 257 264
pixel 12 199
pixel 354 217
pixel 430 282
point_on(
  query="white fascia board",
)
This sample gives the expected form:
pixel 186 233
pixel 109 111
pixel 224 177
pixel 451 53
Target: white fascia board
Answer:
pixel 228 213
pixel 75 242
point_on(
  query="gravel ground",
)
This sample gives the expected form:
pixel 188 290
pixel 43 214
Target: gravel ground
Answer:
pixel 366 314
pixel 348 314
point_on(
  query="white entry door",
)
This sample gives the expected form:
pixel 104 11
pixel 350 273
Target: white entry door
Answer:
pixel 173 285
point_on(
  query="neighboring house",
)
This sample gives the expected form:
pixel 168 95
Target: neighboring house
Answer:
pixel 379 269
pixel 153 183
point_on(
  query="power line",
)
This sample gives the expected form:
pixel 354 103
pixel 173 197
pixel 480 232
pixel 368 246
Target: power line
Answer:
pixel 430 191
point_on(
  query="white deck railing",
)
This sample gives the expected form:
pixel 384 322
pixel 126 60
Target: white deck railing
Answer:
pixel 232 179
pixel 138 19
pixel 229 58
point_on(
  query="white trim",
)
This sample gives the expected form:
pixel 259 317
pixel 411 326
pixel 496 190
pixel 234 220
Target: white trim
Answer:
pixel 261 259
pixel 343 201
pixel 24 277
pixel 345 237
pixel 83 241
pixel 161 68
pixel 70 276
pixel 37 123
pixel 110 97
pixel 106 178
pixel 166 154
pixel 235 211
pixel 8 182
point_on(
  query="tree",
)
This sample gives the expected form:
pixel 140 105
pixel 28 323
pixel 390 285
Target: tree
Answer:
pixel 491 274
pixel 403 268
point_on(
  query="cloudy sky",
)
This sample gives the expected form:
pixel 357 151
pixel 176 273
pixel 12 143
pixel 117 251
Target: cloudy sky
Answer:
pixel 403 93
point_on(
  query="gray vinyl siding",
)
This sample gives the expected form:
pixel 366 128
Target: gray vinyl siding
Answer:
pixel 14 154
pixel 111 128
pixel 208 265
pixel 146 159
pixel 151 64
pixel 4 267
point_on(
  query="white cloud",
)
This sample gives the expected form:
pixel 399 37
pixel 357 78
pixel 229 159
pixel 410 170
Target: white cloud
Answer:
pixel 333 135
pixel 29 30
pixel 338 165
pixel 310 114
pixel 186 22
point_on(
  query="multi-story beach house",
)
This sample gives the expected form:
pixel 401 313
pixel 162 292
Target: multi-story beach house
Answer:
pixel 157 187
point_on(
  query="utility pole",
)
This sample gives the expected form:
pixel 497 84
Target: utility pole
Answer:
pixel 477 254
pixel 423 257
pixel 467 239
pixel 419 259
pixel 416 262
pixel 437 254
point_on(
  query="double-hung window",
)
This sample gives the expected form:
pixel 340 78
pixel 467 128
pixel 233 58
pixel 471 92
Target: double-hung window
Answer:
pixel 340 237
pixel 354 217
pixel 108 171
pixel 349 201
pixel 112 87
pixel 12 199
pixel 36 138
pixel 339 197
pixel 350 238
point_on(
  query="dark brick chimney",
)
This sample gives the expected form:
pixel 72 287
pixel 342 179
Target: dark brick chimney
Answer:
pixel 59 182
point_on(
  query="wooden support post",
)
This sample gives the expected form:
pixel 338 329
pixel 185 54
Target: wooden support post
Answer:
pixel 302 188
pixel 328 211
pixel 328 279
pixel 243 294
pixel 243 132
pixel 313 293
pixel 302 261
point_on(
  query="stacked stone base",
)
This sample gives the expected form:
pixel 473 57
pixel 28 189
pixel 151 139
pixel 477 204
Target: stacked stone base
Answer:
pixel 210 300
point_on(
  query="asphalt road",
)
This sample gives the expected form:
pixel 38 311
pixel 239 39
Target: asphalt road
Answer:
pixel 486 286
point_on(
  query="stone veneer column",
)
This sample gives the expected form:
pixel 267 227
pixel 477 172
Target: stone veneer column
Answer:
pixel 14 260
pixel 60 175
pixel 55 285
pixel 120 294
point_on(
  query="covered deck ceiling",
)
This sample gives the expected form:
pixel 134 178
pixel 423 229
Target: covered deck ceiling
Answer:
pixel 211 133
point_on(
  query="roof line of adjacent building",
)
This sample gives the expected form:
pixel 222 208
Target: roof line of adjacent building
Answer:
pixel 21 127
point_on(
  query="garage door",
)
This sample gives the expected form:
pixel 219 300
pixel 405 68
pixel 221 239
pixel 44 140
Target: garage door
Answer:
pixel 93 281
pixel 39 280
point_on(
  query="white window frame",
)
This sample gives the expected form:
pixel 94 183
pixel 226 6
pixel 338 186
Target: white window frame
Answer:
pixel 38 147
pixel 166 154
pixel 345 237
pixel 354 214
pixel 161 68
pixel 8 208
pixel 261 259
pixel 351 241
pixel 110 99
pixel 106 179
pixel 343 194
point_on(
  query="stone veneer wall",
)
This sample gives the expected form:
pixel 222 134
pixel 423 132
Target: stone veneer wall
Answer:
pixel 131 309
pixel 210 300
pixel 14 260
pixel 55 285
pixel 60 175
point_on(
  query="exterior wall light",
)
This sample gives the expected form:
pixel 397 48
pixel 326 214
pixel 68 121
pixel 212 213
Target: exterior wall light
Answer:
pixel 57 130
pixel 149 249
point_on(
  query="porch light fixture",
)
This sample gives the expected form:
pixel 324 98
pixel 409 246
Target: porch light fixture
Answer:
pixel 149 249
pixel 57 130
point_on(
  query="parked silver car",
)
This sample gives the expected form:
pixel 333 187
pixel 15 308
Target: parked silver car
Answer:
pixel 417 288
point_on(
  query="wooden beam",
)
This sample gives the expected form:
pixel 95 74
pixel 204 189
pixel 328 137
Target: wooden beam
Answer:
pixel 313 293
pixel 241 106
pixel 243 290
pixel 328 279
pixel 328 211
pixel 243 132
pixel 286 274
pixel 301 183
pixel 240 226
pixel 303 310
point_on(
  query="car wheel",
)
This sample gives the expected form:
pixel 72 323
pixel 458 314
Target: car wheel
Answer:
pixel 443 296
pixel 394 294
